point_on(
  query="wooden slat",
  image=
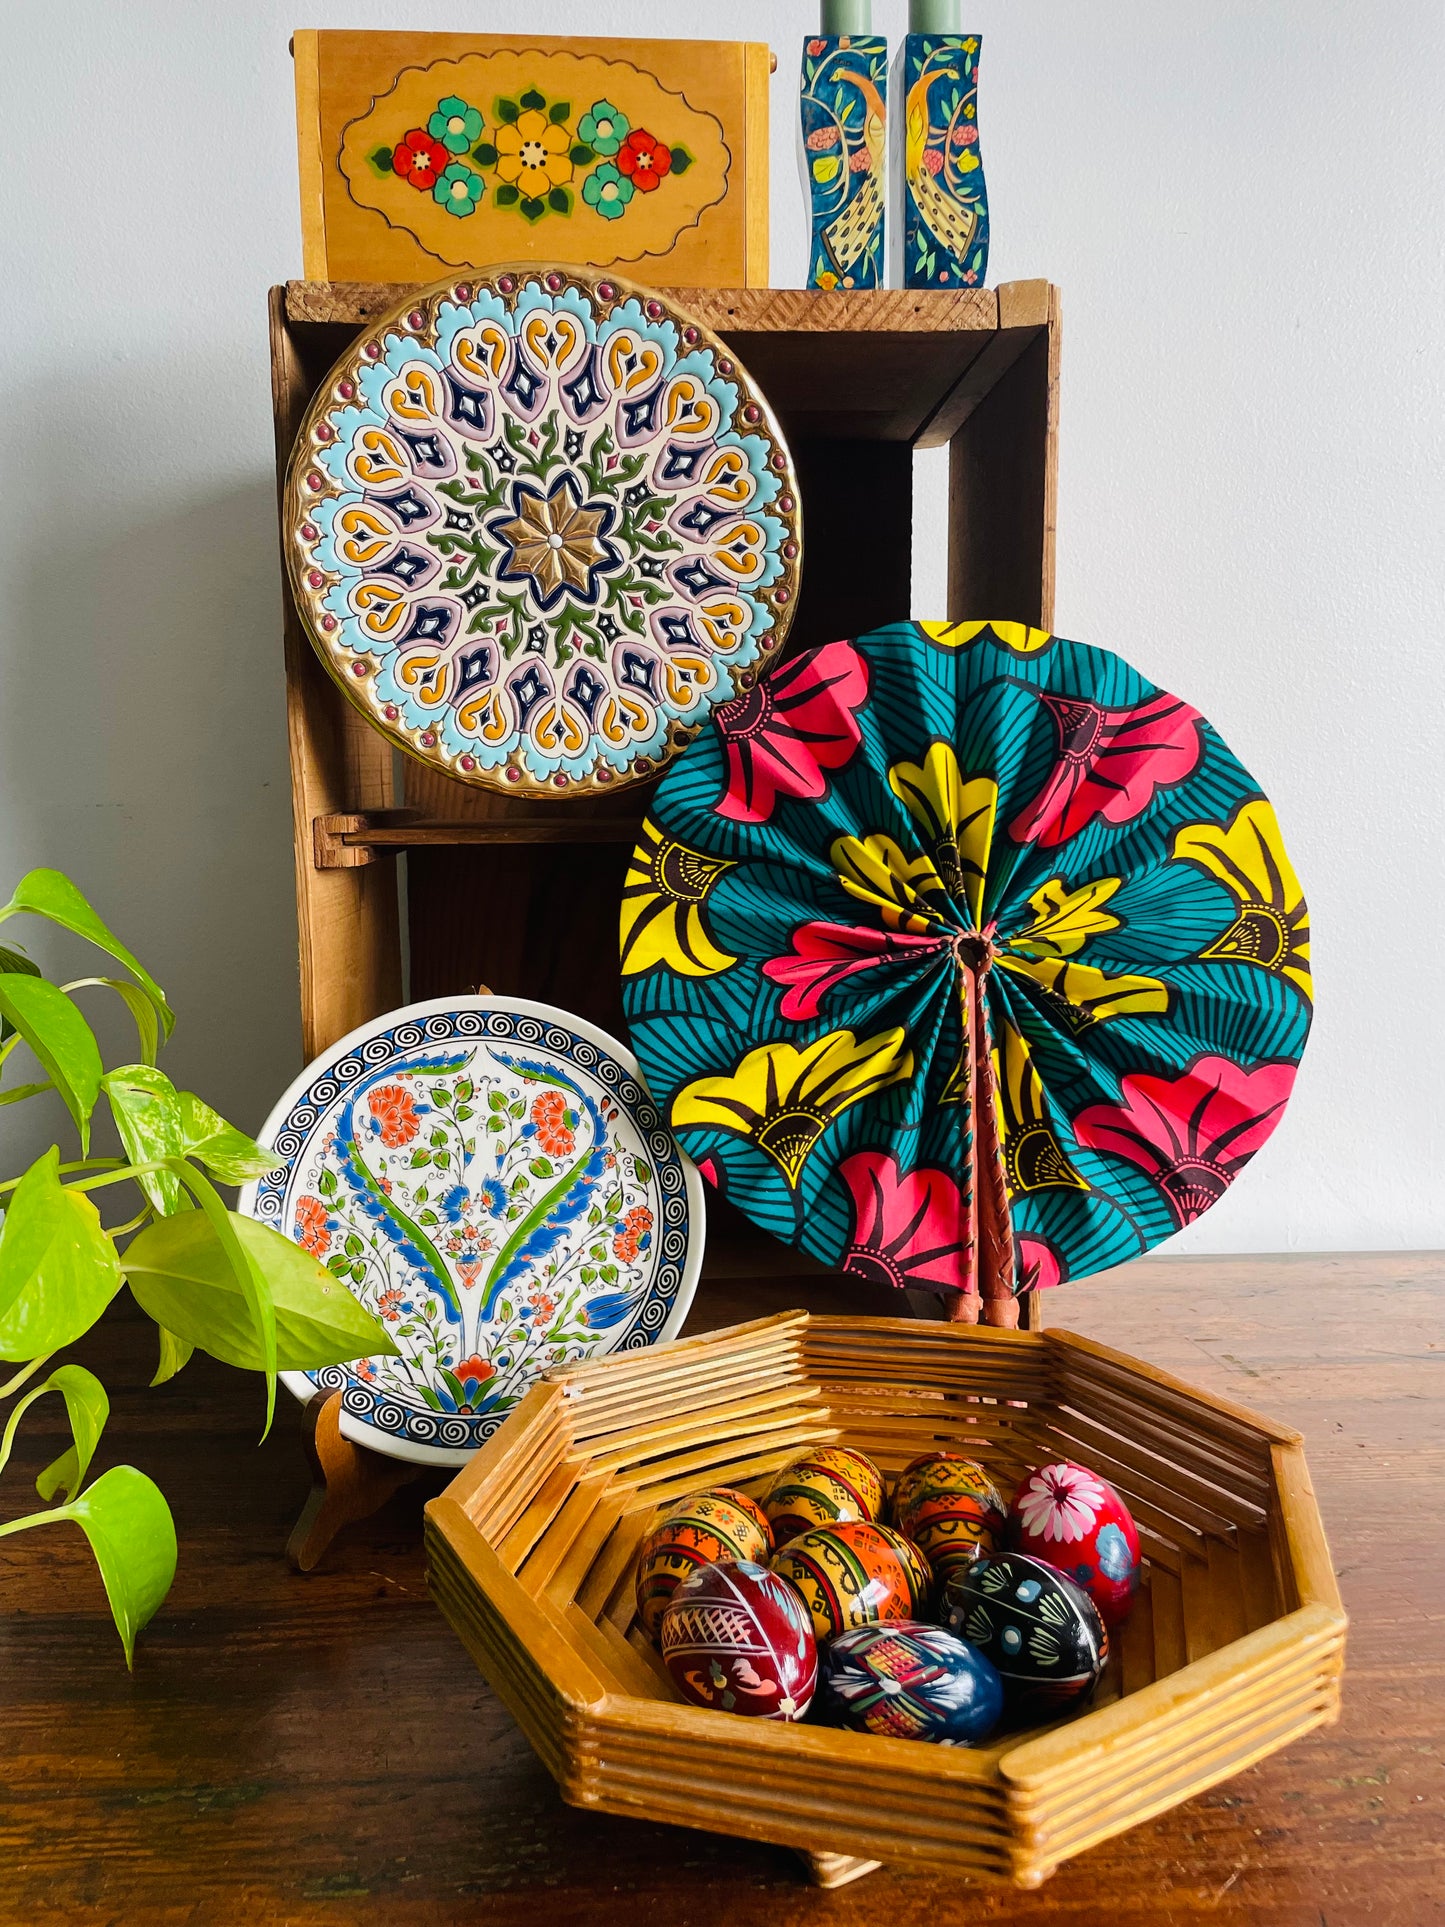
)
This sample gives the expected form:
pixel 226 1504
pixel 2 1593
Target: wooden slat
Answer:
pixel 1203 1409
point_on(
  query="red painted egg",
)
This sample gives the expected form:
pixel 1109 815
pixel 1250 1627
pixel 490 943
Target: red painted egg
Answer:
pixel 949 1507
pixel 1068 1515
pixel 718 1523
pixel 737 1638
pixel 855 1574
pixel 824 1487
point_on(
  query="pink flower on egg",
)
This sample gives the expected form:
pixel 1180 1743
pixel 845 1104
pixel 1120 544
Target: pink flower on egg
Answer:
pixel 1060 1502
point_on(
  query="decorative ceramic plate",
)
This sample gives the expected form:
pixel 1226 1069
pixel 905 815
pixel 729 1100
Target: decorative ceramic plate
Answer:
pixel 491 1179
pixel 539 525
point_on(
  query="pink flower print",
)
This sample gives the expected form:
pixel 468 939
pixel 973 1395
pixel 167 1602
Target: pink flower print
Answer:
pixel 1039 1264
pixel 825 955
pixel 909 1228
pixel 1110 764
pixel 783 736
pixel 1192 1134
pixel 965 136
pixel 860 162
pixel 1061 1502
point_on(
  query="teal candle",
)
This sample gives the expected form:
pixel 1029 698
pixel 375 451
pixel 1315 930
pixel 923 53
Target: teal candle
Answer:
pixel 935 16
pixel 847 16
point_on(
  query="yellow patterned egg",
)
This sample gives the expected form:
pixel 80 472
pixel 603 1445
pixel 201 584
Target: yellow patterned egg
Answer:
pixel 948 1506
pixel 705 1527
pixel 828 1485
pixel 855 1574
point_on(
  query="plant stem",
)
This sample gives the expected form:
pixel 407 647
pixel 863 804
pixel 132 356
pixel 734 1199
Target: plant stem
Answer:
pixel 35 1519
pixel 79 1164
pixel 26 1371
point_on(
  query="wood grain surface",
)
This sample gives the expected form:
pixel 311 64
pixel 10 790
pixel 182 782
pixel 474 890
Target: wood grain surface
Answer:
pixel 319 1749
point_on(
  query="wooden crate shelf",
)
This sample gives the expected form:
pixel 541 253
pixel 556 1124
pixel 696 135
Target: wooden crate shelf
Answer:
pixel 524 898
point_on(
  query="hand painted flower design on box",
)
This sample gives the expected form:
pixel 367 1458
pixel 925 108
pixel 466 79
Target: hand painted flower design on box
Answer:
pixel 503 1205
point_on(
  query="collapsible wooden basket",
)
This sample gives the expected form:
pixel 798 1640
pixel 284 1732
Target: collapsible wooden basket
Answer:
pixel 1235 1646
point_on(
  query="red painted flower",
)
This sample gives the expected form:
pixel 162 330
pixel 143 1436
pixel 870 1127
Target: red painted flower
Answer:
pixel 364 1369
pixel 909 1228
pixel 1040 1266
pixel 1111 762
pixel 816 47
pixel 554 1133
pixel 311 1228
pixel 790 728
pixel 824 954
pixel 389 1305
pixel 473 1371
pixel 394 1109
pixel 644 159
pixel 419 159
pixel 1191 1133
pixel 933 159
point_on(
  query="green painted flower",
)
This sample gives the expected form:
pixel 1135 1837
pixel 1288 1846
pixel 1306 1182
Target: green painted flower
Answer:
pixel 607 191
pixel 603 128
pixel 458 189
pixel 455 124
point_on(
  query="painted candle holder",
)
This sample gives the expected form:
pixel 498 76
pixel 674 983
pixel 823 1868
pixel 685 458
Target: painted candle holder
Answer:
pixel 843 111
pixel 945 199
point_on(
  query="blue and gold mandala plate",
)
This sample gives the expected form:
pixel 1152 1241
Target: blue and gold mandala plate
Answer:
pixel 538 525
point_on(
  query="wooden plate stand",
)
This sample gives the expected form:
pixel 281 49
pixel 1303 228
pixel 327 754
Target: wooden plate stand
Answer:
pixel 412 885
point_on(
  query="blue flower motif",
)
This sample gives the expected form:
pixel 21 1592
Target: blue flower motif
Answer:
pixel 1116 1561
pixel 493 1195
pixel 606 1311
pixel 451 1203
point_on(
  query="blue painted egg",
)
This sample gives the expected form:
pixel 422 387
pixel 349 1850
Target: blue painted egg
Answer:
pixel 1042 1632
pixel 910 1682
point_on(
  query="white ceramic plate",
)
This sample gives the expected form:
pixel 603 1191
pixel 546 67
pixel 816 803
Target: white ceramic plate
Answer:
pixel 491 1178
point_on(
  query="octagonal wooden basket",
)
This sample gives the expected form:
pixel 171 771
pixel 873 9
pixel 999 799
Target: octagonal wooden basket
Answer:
pixel 1235 1646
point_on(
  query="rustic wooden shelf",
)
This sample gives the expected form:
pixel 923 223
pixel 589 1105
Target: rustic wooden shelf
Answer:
pixel 345 841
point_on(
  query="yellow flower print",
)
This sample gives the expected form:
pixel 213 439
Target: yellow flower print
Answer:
pixel 1081 995
pixel 1064 919
pixel 1017 636
pixel 955 815
pixel 532 154
pixel 1034 1160
pixel 783 1098
pixel 1272 924
pixel 662 920
pixel 907 891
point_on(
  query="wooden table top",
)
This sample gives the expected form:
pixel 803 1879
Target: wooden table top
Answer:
pixel 320 1749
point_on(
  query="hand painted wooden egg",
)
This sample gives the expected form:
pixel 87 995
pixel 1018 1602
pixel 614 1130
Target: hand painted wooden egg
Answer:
pixel 736 1638
pixel 718 1523
pixel 1042 1632
pixel 824 1487
pixel 911 1682
pixel 1070 1516
pixel 855 1574
pixel 948 1506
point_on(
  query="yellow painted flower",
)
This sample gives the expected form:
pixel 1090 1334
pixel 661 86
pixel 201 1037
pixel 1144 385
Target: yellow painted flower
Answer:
pixel 956 815
pixel 827 279
pixel 1064 919
pixel 662 920
pixel 783 1098
pixel 1272 923
pixel 1082 995
pixel 906 891
pixel 1034 1160
pixel 532 154
pixel 1017 636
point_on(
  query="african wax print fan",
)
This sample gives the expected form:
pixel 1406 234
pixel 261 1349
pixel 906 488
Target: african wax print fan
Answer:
pixel 965 958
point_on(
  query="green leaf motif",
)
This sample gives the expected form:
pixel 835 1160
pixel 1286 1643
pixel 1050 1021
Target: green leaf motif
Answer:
pixel 681 160
pixel 61 1039
pixel 534 101
pixel 58 1269
pixel 484 154
pixel 46 893
pixel 531 210
pixel 380 159
pixel 507 111
pixel 87 1407
pixel 182 1278
pixel 560 200
pixel 175 1353
pixel 133 1536
pixel 559 111
pixel 581 155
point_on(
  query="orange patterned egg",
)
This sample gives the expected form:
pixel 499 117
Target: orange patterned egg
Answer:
pixel 718 1523
pixel 855 1574
pixel 829 1485
pixel 948 1506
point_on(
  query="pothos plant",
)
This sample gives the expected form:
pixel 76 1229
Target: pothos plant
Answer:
pixel 211 1279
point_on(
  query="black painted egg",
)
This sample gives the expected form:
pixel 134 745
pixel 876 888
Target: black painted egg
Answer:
pixel 1042 1632
pixel 910 1682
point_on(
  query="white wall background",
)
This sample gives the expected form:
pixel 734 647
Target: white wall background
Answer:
pixel 1242 204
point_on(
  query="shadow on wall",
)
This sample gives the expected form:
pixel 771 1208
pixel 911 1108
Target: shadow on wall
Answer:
pixel 143 750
